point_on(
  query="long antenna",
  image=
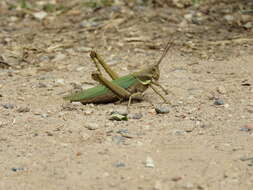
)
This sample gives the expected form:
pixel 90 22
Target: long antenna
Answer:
pixel 168 46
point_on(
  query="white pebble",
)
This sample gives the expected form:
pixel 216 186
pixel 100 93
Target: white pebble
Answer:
pixel 150 162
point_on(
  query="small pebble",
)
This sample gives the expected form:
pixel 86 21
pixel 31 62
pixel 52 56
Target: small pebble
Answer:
pixel 118 117
pixel 119 164
pixel 135 116
pixel 218 102
pixel 244 129
pixel 126 133
pixel 229 18
pixel 92 126
pixel 40 15
pixel 248 25
pixel 23 109
pixel 17 169
pixel 88 112
pixel 44 115
pixel 188 17
pixel 120 112
pixel 246 159
pixel 84 49
pixel 178 132
pixel 149 162
pixel 69 106
pixel 162 109
pixel 42 85
pixel 59 81
pixel 8 106
pixel 77 103
pixel 49 134
pixel 250 110
pixel 87 23
pixel 177 178
pixel 59 57
pixel 221 90
pixel 118 139
pixel 188 186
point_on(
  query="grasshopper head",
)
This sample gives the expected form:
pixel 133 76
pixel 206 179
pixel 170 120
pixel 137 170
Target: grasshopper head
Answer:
pixel 149 73
pixel 152 72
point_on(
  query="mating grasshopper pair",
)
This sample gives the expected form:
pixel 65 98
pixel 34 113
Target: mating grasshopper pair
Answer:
pixel 127 87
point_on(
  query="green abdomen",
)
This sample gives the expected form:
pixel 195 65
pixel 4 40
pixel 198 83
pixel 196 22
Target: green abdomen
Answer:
pixel 100 93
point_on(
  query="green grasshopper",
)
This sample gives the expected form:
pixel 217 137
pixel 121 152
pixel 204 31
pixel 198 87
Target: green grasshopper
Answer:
pixel 127 87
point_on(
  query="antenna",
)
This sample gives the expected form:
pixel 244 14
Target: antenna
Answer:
pixel 168 46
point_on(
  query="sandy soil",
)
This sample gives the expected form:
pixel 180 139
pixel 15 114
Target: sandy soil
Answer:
pixel 204 142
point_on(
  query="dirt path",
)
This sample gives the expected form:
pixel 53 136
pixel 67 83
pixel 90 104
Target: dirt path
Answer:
pixel 202 143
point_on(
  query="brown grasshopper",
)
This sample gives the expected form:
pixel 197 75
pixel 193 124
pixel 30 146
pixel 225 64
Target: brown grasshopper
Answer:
pixel 127 87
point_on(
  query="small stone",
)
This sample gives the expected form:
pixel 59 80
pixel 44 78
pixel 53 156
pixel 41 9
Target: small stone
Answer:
pixel 118 117
pixel 78 154
pixel 221 90
pixel 69 106
pixel 8 106
pixel 42 85
pixel 49 134
pixel 44 115
pixel 17 169
pixel 177 178
pixel 122 111
pixel 188 186
pixel 87 23
pixel 188 17
pixel 229 18
pixel 250 110
pixel 88 112
pixel 162 109
pixel 126 133
pixel 206 125
pixel 76 103
pixel 119 164
pixel 244 129
pixel 118 139
pixel 248 25
pixel 246 159
pixel 80 69
pixel 135 116
pixel 149 162
pixel 59 57
pixel 84 49
pixel 178 132
pixel 218 102
pixel 44 58
pixel 23 109
pixel 59 81
pixel 40 15
pixel 92 126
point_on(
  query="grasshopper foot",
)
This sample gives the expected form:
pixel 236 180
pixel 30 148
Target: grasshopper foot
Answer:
pixel 95 75
pixel 93 54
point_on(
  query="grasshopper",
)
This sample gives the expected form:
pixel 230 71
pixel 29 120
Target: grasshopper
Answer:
pixel 127 87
